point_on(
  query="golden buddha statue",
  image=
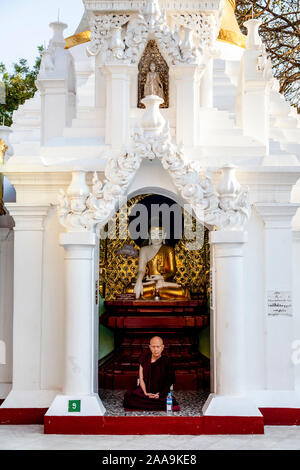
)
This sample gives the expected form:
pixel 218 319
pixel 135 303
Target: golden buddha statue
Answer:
pixel 153 85
pixel 157 262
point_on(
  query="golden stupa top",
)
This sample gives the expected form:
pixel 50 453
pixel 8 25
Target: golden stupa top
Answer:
pixel 229 29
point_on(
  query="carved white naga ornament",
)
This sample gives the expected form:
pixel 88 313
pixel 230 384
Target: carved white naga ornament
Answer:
pixel 123 36
pixel 227 208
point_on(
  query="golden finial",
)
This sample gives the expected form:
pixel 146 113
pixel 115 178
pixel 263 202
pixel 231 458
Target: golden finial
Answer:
pixel 3 148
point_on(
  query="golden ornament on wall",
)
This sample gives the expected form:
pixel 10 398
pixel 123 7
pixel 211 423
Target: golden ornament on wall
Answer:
pixel 118 264
pixel 150 56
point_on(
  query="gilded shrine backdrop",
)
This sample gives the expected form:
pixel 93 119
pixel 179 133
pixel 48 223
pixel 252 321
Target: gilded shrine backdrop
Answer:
pixel 118 262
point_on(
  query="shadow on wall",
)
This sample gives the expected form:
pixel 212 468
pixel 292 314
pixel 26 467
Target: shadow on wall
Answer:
pixel 106 336
pixel 9 192
pixel 204 341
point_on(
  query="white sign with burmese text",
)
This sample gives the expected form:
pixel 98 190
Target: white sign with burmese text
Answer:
pixel 280 303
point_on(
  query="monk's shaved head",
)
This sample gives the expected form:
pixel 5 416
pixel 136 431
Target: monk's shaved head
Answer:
pixel 156 338
pixel 156 347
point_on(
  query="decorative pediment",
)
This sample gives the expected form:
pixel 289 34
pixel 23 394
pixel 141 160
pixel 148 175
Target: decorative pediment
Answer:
pixel 122 37
pixel 226 208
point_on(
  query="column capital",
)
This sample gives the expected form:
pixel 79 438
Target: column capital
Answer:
pixel 187 70
pixel 119 71
pixel 70 239
pixel 28 216
pixel 276 215
pixel 219 237
pixel 296 234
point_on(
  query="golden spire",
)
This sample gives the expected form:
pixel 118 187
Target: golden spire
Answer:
pixel 229 31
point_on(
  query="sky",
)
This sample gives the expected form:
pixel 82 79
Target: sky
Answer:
pixel 24 25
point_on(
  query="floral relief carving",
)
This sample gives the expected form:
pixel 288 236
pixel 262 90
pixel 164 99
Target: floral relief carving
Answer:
pixel 227 210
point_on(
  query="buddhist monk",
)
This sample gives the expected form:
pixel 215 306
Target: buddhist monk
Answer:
pixel 156 375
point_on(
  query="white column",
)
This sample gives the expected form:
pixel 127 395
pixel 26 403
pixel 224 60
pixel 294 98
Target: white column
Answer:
pixel 206 88
pixel 187 79
pixel 118 104
pixel 229 348
pixel 6 309
pixel 80 299
pixel 278 274
pixel 54 101
pixel 296 290
pixel 57 84
pixel 255 80
pixel 27 313
pixel 256 111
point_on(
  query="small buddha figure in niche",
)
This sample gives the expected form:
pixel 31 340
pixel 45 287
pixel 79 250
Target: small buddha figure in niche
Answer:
pixel 157 262
pixel 153 85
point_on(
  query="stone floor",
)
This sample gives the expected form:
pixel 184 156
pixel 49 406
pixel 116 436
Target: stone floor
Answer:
pixel 32 437
pixel 191 403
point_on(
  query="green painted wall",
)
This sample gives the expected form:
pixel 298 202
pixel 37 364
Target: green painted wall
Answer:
pixel 106 336
pixel 204 341
pixel 107 343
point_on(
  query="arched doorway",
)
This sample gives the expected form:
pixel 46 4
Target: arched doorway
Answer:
pixel 187 343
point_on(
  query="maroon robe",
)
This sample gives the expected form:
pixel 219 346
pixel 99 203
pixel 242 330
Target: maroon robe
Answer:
pixel 158 377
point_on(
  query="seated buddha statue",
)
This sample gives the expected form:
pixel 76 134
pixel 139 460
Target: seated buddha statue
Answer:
pixel 157 263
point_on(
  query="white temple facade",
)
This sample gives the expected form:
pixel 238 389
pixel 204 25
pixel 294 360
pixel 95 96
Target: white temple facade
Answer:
pixel 228 145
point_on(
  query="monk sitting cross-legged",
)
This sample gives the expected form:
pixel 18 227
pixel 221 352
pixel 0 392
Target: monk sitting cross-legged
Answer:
pixel 156 375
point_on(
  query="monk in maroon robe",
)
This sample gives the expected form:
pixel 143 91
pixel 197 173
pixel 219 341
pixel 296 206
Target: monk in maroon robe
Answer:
pixel 156 375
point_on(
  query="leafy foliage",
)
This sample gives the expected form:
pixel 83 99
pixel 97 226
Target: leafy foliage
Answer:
pixel 19 86
pixel 280 31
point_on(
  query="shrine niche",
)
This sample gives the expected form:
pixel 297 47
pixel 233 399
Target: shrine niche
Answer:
pixel 153 77
pixel 179 319
pixel 118 265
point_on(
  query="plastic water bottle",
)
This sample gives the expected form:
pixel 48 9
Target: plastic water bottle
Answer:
pixel 169 403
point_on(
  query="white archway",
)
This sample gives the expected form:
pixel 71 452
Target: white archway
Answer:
pixel 226 209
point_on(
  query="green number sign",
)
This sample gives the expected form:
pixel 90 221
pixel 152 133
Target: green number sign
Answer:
pixel 74 405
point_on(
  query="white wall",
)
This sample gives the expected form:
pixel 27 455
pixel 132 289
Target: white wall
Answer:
pixel 6 306
pixel 254 301
pixel 52 345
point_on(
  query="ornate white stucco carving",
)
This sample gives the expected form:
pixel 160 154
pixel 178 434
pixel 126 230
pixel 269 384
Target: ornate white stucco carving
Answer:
pixel 264 64
pixel 102 29
pixel 123 37
pixel 204 28
pixel 228 208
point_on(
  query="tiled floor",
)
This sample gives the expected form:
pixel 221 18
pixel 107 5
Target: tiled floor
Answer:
pixel 32 437
pixel 191 403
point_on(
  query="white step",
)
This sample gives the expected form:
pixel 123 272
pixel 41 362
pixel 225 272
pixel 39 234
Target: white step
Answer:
pixel 292 147
pixel 286 122
pixel 83 132
pixel 215 119
pixel 219 133
pixel 292 135
pixel 25 135
pixel 227 151
pixel 27 148
pixel 71 148
pixel 87 122
pixel 229 140
pixel 90 113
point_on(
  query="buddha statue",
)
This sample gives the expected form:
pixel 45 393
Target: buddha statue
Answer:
pixel 153 85
pixel 157 263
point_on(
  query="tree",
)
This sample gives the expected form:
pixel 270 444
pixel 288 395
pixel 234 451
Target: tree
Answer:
pixel 280 31
pixel 19 86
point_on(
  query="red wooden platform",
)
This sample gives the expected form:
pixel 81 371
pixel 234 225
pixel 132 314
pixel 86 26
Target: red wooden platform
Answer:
pixel 135 321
